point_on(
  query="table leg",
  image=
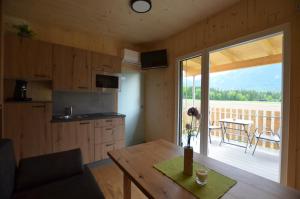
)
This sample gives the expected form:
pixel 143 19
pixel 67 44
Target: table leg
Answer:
pixel 126 186
pixel 248 138
pixel 222 131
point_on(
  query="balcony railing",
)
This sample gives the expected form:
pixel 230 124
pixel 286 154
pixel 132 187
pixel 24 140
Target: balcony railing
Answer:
pixel 265 116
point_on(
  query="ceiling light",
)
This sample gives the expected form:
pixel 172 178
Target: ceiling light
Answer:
pixel 140 6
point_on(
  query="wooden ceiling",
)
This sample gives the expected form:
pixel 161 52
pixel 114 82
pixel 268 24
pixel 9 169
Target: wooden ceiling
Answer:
pixel 256 53
pixel 115 18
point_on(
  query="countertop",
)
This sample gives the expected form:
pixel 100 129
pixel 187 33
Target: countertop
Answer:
pixel 91 116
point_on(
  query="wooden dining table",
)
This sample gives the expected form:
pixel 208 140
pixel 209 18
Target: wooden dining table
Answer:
pixel 137 162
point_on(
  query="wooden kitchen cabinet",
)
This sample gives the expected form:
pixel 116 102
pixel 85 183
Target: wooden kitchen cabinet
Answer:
pixel 82 69
pixel 101 62
pixel 117 62
pixel 109 135
pixel 105 63
pixel 27 58
pixel 72 135
pixel 86 140
pixel 71 68
pixel 62 67
pixel 27 124
pixel 106 147
pixel 64 136
pixel 14 63
pixel 42 60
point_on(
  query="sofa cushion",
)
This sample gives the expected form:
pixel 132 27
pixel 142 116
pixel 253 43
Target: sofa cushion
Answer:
pixel 44 169
pixel 7 169
pixel 77 187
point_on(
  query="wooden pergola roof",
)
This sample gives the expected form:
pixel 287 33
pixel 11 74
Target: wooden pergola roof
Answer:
pixel 260 52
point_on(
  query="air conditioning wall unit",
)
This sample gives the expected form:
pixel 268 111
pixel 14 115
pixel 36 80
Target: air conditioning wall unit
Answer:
pixel 131 57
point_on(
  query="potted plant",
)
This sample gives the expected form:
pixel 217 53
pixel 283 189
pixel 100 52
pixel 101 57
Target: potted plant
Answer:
pixel 191 130
pixel 24 30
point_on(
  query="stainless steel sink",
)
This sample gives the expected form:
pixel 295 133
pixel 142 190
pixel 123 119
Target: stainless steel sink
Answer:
pixel 66 117
pixel 81 116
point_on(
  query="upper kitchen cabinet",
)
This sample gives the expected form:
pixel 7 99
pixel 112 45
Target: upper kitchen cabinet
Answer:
pixel 27 58
pixel 117 64
pixel 106 63
pixel 82 69
pixel 71 68
pixel 62 67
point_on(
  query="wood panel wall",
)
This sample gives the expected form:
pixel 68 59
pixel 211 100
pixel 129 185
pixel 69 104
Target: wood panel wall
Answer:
pixel 245 17
pixel 71 37
pixel 1 69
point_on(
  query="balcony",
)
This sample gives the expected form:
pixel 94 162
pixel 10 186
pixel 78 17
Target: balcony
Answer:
pixel 264 115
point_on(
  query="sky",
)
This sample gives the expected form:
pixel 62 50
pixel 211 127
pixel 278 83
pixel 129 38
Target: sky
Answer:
pixel 262 78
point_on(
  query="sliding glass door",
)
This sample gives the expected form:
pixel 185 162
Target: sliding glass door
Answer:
pixel 241 107
pixel 190 102
pixel 245 103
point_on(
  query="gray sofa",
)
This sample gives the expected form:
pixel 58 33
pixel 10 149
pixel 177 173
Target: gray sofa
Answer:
pixel 57 175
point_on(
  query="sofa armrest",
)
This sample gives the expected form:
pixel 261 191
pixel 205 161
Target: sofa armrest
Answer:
pixel 44 169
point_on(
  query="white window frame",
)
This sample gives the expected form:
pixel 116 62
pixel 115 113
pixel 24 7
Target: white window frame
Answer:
pixel 285 29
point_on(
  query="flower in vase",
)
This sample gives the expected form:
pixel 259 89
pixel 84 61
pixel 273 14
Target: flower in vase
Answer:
pixel 188 126
pixel 193 112
pixel 191 127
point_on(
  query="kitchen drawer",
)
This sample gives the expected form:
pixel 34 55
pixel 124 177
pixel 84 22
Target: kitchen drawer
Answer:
pixel 118 121
pixel 105 148
pixel 119 144
pixel 119 133
pixel 107 134
pixel 110 122
pixel 107 122
pixel 104 122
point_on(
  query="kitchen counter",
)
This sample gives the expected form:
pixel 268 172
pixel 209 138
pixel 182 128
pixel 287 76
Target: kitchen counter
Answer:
pixel 91 116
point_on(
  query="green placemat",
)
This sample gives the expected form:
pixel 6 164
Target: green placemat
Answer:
pixel 216 187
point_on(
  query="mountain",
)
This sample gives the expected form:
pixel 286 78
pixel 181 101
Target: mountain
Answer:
pixel 262 78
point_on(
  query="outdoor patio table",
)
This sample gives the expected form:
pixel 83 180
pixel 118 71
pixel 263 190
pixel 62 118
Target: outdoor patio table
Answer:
pixel 244 127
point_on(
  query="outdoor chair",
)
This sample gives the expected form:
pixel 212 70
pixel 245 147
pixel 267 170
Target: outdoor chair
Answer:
pixel 212 127
pixel 272 137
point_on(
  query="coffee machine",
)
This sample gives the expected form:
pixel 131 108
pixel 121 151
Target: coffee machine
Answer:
pixel 20 93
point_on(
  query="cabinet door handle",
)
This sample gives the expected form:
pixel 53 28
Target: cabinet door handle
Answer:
pixel 42 76
pixel 83 123
pixel 106 66
pixel 108 129
pixel 82 87
pixel 39 106
pixel 108 120
pixel 109 144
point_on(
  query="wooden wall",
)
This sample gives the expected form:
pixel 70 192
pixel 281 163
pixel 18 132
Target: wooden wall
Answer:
pixel 245 17
pixel 71 37
pixel 1 69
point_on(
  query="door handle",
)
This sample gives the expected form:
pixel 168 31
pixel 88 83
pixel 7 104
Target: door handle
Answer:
pixel 82 87
pixel 83 123
pixel 42 76
pixel 39 106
